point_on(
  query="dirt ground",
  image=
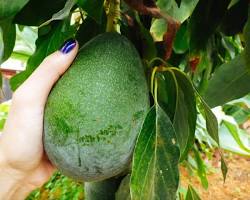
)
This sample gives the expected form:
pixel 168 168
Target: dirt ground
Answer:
pixel 236 187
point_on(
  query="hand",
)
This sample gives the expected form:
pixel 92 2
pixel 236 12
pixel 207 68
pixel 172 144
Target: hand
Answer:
pixel 23 163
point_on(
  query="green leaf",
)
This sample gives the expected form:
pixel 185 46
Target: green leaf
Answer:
pixel 201 168
pixel 180 13
pixel 167 93
pixel 62 14
pixel 181 42
pixel 36 12
pixel 230 81
pixel 224 168
pixel 205 20
pixel 9 8
pixel 94 8
pixel 158 29
pixel 155 172
pixel 228 142
pixel 235 18
pixel 233 130
pixel 176 96
pixel 247 40
pixel 186 114
pixel 211 120
pixel 148 47
pixel 46 44
pixel 7 39
pixel 88 29
pixel 192 194
pixel 123 193
pixel 232 3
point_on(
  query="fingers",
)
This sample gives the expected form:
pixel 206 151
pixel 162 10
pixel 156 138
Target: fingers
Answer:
pixel 36 88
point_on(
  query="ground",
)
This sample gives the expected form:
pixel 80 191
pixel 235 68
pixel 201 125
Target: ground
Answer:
pixel 236 187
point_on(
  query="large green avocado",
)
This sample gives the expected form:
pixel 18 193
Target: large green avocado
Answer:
pixel 95 111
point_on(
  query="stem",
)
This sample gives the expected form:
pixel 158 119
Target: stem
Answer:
pixel 113 15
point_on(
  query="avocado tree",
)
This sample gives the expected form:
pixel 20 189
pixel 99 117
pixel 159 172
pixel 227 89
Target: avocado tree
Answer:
pixel 195 55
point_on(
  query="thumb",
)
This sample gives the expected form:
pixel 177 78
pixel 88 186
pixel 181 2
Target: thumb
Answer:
pixel 36 88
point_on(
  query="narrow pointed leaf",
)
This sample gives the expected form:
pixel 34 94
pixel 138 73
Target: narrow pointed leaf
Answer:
pixel 192 194
pixel 155 172
pixel 186 113
pixel 211 120
pixel 201 168
pixel 224 168
pixel 176 97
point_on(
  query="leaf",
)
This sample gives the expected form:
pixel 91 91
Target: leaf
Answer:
pixel 62 14
pixel 36 12
pixel 123 193
pixel 230 81
pixel 232 3
pixel 228 143
pixel 158 29
pixel 181 42
pixel 191 194
pixel 176 96
pixel 201 168
pixel 235 18
pixel 7 39
pixel 247 40
pixel 211 120
pixel 148 47
pixel 186 113
pixel 155 172
pixel 233 130
pixel 9 8
pixel 224 168
pixel 46 44
pixel 88 29
pixel 94 8
pixel 180 13
pixel 205 20
pixel 167 93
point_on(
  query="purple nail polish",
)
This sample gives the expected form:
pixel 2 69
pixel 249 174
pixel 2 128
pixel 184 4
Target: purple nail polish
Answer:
pixel 68 46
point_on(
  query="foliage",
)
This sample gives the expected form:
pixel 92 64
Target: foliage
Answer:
pixel 196 56
pixel 58 187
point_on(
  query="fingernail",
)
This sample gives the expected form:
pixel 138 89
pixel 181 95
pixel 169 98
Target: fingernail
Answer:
pixel 68 46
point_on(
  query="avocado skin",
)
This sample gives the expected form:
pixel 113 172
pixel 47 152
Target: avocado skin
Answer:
pixel 95 111
pixel 102 190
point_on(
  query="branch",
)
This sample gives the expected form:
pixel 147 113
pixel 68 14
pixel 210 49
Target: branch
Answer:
pixel 154 11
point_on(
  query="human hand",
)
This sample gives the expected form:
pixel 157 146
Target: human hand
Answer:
pixel 23 163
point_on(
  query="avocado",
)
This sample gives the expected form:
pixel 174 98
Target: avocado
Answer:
pixel 95 111
pixel 102 190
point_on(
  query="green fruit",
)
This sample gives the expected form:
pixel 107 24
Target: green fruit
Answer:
pixel 95 111
pixel 102 190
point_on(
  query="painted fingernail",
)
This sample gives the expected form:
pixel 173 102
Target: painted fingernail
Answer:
pixel 68 46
